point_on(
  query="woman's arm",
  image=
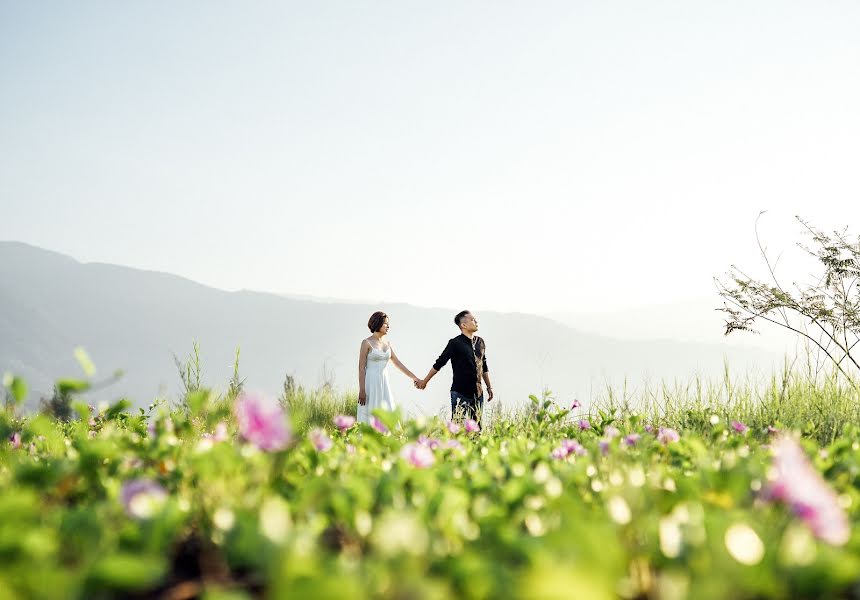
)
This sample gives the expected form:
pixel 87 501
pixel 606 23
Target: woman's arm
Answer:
pixel 401 366
pixel 362 369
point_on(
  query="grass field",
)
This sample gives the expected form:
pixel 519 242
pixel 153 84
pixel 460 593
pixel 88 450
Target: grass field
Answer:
pixel 718 490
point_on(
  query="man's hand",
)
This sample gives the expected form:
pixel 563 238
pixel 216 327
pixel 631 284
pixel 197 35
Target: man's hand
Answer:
pixel 489 394
pixel 362 398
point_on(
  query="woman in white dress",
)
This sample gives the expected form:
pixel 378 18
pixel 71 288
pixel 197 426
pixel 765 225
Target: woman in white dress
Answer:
pixel 374 390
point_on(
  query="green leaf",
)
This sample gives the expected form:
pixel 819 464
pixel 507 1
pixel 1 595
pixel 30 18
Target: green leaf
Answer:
pixel 127 572
pixel 86 363
pixel 388 418
pixel 117 409
pixel 72 386
pixel 197 401
pixel 41 425
pixel 224 594
pixel 17 386
pixel 19 390
pixel 81 408
pixel 48 428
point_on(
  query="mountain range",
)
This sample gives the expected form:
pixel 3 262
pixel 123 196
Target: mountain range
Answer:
pixel 138 321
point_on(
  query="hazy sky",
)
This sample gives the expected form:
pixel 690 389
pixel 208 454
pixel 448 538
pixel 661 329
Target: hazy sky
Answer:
pixel 513 156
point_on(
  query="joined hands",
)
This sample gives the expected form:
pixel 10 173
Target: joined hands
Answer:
pixel 419 383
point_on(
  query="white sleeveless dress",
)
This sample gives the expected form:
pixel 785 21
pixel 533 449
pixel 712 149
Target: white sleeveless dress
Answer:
pixel 376 385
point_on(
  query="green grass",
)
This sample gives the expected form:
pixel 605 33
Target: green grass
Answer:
pixel 495 515
pixel 820 407
pixel 317 408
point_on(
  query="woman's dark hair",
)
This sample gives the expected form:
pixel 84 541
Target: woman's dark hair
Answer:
pixel 376 321
pixel 460 316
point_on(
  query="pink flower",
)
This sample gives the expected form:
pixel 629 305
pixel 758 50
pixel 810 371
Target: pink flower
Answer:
pixel 649 428
pixel 611 432
pixel 667 435
pixel 350 449
pixel 219 435
pixel 573 447
pixel 427 441
pixel 15 440
pixel 320 440
pixel 739 427
pixel 418 455
pixel 567 448
pixel 344 422
pixel 800 486
pixel 142 497
pixel 453 428
pixel 262 422
pixel 584 424
pixel 559 453
pixel 631 439
pixel 604 447
pixel 157 424
pixel 454 445
pixel 378 425
pixel 575 404
pixel 471 426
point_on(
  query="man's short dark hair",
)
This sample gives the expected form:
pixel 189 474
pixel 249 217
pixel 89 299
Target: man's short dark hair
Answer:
pixel 377 320
pixel 459 318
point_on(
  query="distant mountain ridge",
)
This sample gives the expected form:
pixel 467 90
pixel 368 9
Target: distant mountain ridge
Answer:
pixel 137 320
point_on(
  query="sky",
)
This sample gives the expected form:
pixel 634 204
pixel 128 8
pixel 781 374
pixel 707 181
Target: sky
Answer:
pixel 513 156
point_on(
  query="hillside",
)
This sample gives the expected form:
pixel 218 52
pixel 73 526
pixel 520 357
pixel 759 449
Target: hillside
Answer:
pixel 137 320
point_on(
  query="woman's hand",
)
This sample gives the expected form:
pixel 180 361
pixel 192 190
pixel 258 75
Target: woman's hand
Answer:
pixel 362 398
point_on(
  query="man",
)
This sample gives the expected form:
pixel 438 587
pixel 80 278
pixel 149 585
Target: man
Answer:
pixel 468 355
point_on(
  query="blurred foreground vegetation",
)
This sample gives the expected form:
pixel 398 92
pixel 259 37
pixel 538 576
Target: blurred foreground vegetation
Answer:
pixel 548 501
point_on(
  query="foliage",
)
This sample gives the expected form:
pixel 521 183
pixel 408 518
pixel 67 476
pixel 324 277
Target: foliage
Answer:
pixel 174 501
pixel 829 308
pixel 191 371
pixel 315 407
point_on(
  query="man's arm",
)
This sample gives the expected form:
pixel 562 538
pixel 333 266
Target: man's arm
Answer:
pixel 440 362
pixel 487 383
pixel 489 386
pixel 423 382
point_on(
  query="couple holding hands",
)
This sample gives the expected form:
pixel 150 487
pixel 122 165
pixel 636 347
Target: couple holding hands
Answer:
pixel 467 353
